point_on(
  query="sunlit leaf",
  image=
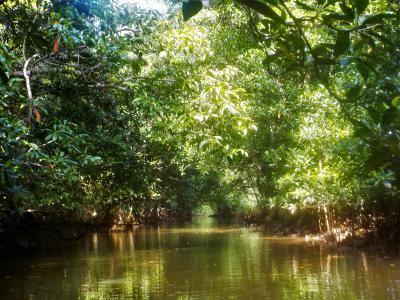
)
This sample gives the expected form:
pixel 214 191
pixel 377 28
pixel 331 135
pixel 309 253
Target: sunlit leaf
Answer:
pixel 396 101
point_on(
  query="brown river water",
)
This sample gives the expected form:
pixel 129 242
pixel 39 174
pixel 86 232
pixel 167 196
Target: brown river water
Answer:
pixel 202 259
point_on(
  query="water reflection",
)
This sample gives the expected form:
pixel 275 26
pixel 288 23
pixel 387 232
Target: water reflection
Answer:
pixel 200 260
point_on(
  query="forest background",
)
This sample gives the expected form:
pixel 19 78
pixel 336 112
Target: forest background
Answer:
pixel 283 113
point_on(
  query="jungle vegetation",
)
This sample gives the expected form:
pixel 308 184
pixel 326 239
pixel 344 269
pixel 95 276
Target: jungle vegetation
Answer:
pixel 280 112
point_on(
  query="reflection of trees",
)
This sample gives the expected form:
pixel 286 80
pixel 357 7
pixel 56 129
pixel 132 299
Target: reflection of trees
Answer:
pixel 178 263
pixel 172 263
pixel 201 262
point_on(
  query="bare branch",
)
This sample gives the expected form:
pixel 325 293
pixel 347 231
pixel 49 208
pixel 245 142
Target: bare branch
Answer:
pixel 28 85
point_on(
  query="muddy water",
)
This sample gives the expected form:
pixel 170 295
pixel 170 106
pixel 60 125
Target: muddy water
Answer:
pixel 198 260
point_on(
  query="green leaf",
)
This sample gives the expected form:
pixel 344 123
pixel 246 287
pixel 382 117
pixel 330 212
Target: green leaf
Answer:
pixel 337 17
pixel 367 39
pixel 304 6
pixel 3 77
pixel 353 92
pixel 382 38
pixel 323 49
pixel 39 41
pixel 191 8
pixel 376 19
pixel 98 12
pixel 361 128
pixel 297 42
pixel 342 43
pixel 396 101
pixel 263 9
pixel 347 10
pixel 363 70
pixel 361 5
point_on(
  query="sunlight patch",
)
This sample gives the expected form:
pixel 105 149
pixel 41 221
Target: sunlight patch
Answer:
pixel 157 5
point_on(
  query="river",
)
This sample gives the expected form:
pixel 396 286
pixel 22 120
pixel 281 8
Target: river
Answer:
pixel 202 259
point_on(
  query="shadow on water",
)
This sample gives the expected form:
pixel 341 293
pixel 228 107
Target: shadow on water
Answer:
pixel 202 259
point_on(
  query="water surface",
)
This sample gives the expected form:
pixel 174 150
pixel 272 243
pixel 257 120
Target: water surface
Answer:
pixel 197 260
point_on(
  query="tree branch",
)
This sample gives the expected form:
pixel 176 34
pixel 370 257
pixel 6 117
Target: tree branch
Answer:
pixel 28 85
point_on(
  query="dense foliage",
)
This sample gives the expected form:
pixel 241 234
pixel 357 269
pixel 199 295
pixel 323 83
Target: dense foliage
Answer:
pixel 273 110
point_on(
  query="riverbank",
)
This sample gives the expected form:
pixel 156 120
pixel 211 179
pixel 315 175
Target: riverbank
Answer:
pixel 324 229
pixel 33 230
